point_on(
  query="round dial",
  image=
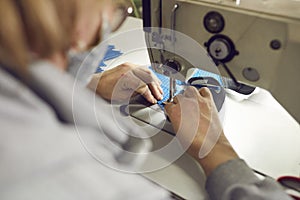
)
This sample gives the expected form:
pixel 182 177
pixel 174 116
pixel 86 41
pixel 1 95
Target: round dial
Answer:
pixel 214 22
pixel 221 48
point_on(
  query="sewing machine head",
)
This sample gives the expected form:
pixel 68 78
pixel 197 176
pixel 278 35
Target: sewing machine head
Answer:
pixel 258 41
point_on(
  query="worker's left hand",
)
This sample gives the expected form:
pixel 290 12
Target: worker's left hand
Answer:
pixel 125 81
pixel 196 122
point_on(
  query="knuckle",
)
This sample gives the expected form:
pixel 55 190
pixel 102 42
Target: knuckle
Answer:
pixel 127 65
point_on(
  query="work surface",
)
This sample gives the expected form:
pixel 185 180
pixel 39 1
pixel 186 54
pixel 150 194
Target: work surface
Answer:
pixel 259 128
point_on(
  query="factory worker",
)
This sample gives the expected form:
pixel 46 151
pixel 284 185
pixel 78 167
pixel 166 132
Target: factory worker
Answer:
pixel 47 118
pixel 42 155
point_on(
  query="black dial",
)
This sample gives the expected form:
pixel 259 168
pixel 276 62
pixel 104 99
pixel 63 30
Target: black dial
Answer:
pixel 221 48
pixel 214 22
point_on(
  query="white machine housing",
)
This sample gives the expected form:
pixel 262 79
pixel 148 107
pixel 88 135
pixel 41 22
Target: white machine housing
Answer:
pixel 252 26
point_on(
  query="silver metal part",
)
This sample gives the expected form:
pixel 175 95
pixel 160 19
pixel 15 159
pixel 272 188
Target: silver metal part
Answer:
pixel 172 89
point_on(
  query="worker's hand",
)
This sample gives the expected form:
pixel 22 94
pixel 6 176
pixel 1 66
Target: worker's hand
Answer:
pixel 126 80
pixel 195 120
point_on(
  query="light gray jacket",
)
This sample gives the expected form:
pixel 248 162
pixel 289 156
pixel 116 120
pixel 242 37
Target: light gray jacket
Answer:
pixel 50 136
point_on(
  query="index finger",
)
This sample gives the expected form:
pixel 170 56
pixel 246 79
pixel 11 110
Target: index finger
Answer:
pixel 146 75
pixel 149 78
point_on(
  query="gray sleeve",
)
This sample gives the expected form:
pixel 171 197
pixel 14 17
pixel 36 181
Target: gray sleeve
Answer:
pixel 83 65
pixel 43 157
pixel 235 180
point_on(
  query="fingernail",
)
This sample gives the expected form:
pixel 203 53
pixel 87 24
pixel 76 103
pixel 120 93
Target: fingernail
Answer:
pixel 154 101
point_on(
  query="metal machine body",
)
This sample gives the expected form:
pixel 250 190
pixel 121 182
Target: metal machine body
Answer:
pixel 253 42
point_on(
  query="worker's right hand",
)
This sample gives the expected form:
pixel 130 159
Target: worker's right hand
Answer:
pixel 195 120
pixel 126 80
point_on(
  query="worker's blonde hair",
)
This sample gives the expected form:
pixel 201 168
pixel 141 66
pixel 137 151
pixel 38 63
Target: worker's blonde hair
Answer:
pixel 29 27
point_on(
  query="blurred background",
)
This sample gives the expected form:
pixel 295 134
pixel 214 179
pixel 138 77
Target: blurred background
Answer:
pixel 137 8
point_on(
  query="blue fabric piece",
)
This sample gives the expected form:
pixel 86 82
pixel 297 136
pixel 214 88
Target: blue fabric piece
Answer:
pixel 99 70
pixel 202 73
pixel 110 53
pixel 102 64
pixel 179 84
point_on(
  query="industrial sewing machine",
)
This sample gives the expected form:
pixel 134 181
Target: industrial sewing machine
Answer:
pixel 248 44
pixel 253 43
